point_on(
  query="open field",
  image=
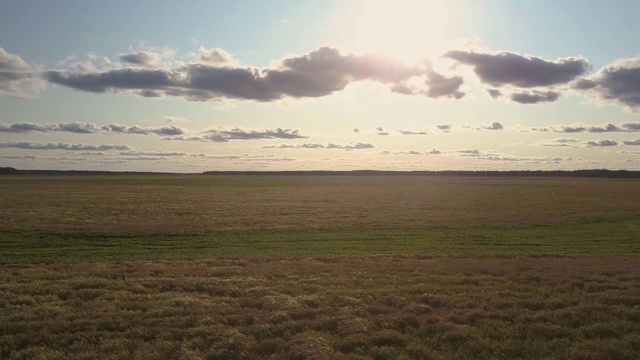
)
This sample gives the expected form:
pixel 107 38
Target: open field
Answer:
pixel 295 267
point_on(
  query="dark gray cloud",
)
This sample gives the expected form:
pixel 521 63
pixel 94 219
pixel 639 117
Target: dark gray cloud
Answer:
pixel 499 69
pixel 316 74
pixel 617 83
pixel 222 135
pixel 17 78
pixel 22 128
pixel 494 126
pixel 535 97
pixel 444 127
pixel 635 142
pixel 116 80
pixel 62 146
pixel 495 93
pixel 143 58
pixel 411 132
pixel 602 142
pixel 380 131
pixel 635 126
pixel 138 130
pixel 356 146
pixel 440 85
pixel 89 128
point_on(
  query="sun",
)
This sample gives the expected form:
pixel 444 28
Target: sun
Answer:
pixel 409 30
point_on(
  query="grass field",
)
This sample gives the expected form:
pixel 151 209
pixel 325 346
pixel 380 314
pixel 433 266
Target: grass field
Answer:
pixel 324 267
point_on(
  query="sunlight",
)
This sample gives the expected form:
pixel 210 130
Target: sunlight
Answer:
pixel 406 29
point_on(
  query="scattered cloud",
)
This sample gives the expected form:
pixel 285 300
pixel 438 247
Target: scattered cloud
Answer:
pixel 494 126
pixel 412 152
pixel 352 146
pixel 535 97
pixel 17 78
pixel 602 143
pixel 380 131
pixel 506 68
pixel 468 152
pixel 561 142
pixel 175 119
pixel 125 129
pixel 356 130
pixel 154 153
pixel 635 142
pixel 223 135
pixel 215 56
pixel 62 146
pixel 494 93
pixel 412 132
pixel 444 127
pixel 635 126
pixel 617 83
pixel 143 58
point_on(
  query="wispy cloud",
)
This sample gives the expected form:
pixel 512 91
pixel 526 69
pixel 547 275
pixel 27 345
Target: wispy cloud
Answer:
pixel 561 142
pixel 412 152
pixel 579 128
pixel 89 128
pixel 223 135
pixel 412 132
pixel 352 146
pixel 62 146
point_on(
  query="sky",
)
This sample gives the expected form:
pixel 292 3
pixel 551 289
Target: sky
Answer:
pixel 192 86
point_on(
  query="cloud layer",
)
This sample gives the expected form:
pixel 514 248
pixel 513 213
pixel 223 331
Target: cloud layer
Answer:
pixel 222 135
pixel 89 128
pixel 319 73
pixel 62 146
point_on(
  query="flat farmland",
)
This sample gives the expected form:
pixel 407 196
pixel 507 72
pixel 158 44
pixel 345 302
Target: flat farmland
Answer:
pixel 319 267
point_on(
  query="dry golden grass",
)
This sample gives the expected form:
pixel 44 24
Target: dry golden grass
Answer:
pixel 323 308
pixel 208 203
pixel 220 267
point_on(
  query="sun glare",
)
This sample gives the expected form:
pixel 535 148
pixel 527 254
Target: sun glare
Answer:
pixel 406 29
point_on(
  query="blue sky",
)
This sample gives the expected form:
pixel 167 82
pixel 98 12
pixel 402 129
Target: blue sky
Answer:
pixel 289 85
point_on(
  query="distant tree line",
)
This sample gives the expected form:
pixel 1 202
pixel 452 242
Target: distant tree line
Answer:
pixel 597 173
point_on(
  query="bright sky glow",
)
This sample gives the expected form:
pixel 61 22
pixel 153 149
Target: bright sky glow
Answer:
pixel 319 85
pixel 412 30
